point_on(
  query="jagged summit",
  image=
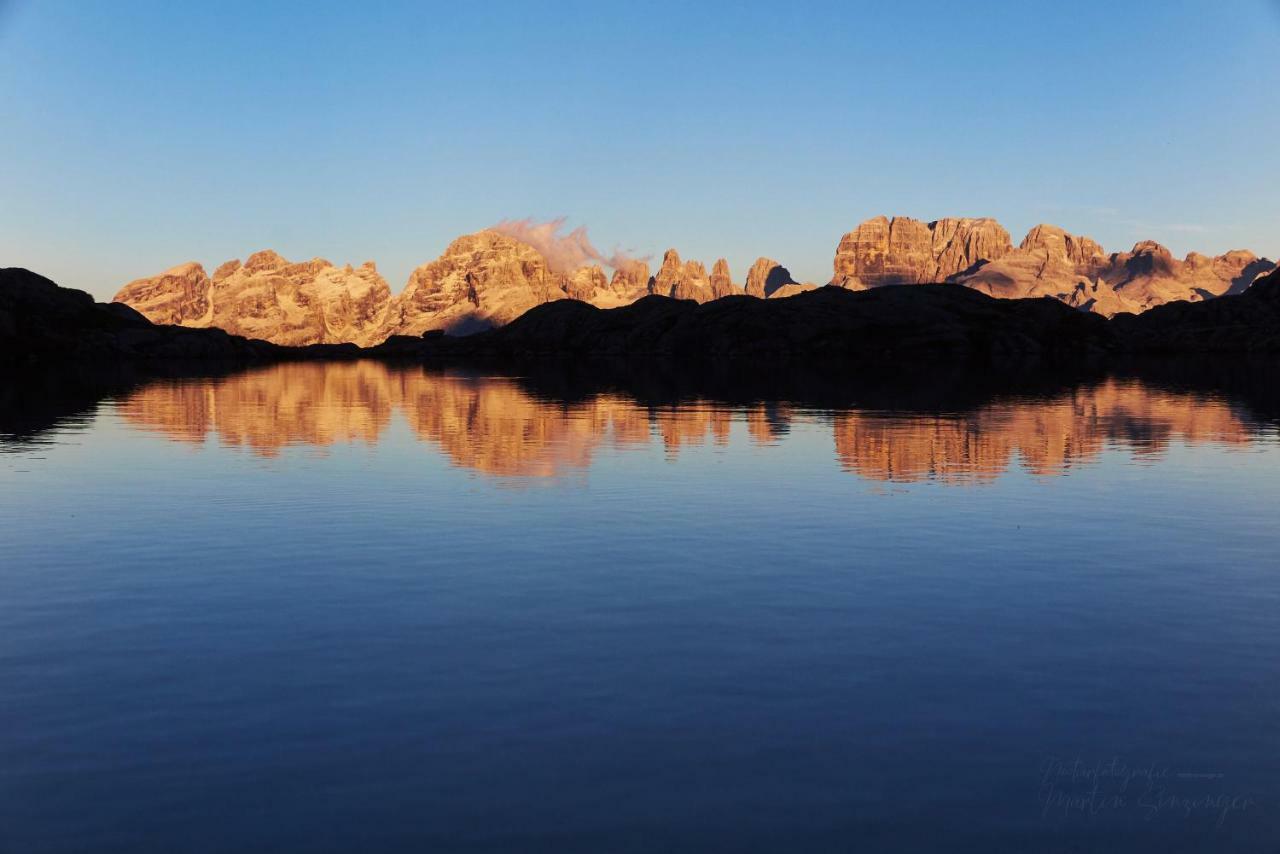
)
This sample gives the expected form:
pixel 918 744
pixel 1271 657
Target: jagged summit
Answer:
pixel 270 298
pixel 1049 261
pixel 491 277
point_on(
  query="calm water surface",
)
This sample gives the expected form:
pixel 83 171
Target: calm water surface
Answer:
pixel 328 607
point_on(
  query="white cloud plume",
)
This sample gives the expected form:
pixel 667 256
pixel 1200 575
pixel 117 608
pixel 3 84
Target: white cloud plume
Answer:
pixel 564 252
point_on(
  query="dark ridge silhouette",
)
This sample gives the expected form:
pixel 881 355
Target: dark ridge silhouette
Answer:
pixel 1246 323
pixel 887 327
pixel 1241 283
pixel 884 326
pixel 813 385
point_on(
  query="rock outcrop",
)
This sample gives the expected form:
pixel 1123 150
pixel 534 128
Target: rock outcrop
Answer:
pixel 270 299
pixel 721 281
pixel 902 251
pixel 587 284
pixel 1049 262
pixel 1149 275
pixel 630 281
pixel 687 280
pixel 179 296
pixel 766 277
pixel 482 280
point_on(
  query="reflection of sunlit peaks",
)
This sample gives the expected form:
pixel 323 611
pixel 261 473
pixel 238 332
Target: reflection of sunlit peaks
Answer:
pixel 691 424
pixel 910 449
pixel 181 411
pixel 270 408
pixel 486 424
pixel 493 425
pixel 767 423
pixel 1048 436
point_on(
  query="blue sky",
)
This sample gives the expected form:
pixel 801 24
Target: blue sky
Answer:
pixel 139 135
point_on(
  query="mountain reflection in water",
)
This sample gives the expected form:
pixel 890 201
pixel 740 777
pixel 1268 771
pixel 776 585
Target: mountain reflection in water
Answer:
pixel 818 610
pixel 503 426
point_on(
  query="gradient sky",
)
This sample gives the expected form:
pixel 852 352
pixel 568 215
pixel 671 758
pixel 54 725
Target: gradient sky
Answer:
pixel 139 135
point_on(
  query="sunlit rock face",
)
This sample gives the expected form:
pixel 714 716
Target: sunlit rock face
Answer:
pixel 482 280
pixel 490 278
pixel 1048 262
pixel 1052 262
pixel 630 281
pixel 177 297
pixel 905 251
pixel 269 298
pixel 494 426
pixel 588 284
pixel 1149 275
pixel 766 277
pixel 721 281
pixel 682 280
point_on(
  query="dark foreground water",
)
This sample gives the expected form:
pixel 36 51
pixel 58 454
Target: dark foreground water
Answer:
pixel 327 608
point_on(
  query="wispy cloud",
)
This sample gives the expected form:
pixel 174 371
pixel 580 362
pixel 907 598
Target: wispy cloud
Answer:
pixel 564 252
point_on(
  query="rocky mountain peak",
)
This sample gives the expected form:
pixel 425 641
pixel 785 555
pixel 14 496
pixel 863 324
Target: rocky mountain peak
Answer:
pixel 766 277
pixel 681 281
pixel 226 269
pixel 721 282
pixel 1150 247
pixel 630 281
pixel 269 298
pixel 264 260
pixel 902 250
pixel 586 283
pixel 483 279
pixel 490 277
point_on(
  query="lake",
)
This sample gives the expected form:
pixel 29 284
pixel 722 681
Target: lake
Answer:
pixel 322 607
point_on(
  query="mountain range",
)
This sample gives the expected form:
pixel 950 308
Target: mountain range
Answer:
pixel 490 278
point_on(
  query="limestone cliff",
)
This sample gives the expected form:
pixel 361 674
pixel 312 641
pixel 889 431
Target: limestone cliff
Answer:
pixel 482 280
pixel 1048 262
pixel 721 281
pixel 630 281
pixel 767 277
pixel 905 251
pixel 489 278
pixel 688 280
pixel 269 298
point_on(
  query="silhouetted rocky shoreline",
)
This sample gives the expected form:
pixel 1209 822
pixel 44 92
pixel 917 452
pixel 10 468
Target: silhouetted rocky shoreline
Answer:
pixel 902 325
